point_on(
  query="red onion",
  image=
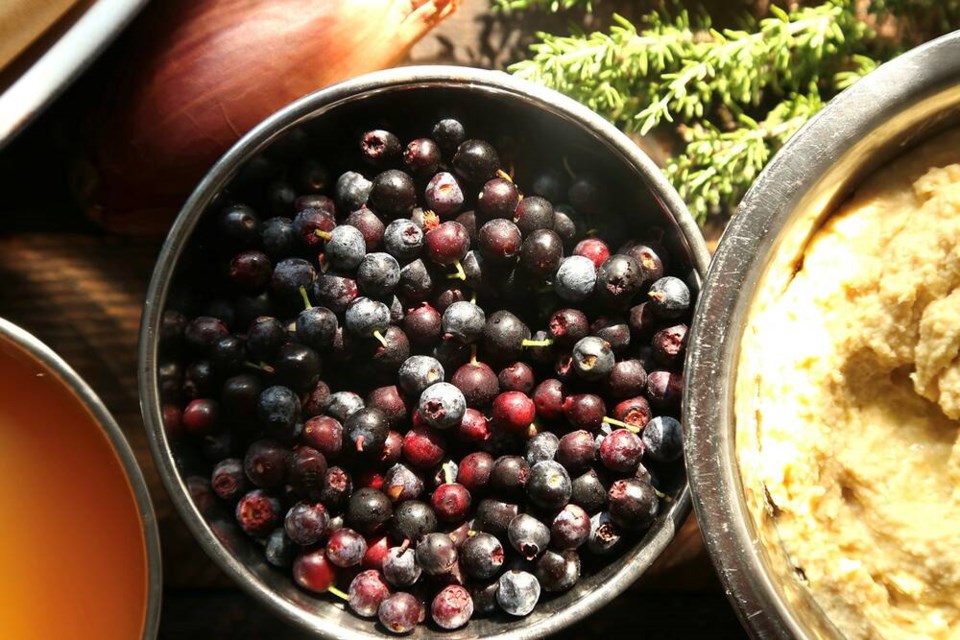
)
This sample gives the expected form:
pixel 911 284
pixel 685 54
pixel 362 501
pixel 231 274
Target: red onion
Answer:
pixel 195 75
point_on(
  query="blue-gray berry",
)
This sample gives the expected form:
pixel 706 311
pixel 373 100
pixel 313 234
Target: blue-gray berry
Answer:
pixel 576 278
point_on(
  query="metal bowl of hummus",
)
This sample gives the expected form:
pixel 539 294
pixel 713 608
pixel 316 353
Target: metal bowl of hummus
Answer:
pixel 823 381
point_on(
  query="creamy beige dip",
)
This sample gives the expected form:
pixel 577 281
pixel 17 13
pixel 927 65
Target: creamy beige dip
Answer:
pixel 848 401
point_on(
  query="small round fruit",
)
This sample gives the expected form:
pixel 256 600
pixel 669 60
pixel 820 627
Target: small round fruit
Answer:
pixel 400 613
pixel 518 593
pixel 513 411
pixel 444 195
pixel 463 321
pixel 313 571
pixel 593 358
pixel 481 556
pixel 663 439
pixel 367 591
pixel 576 278
pixel 436 554
pixel 633 504
pixel 570 528
pixel 621 451
pixel 452 607
pixel 442 405
pixel 368 510
pixel 419 372
pixel 346 548
pixel 476 161
pixel 548 486
pixel 670 297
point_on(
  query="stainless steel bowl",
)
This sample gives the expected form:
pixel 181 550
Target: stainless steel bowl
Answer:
pixel 14 339
pixel 558 127
pixel 891 110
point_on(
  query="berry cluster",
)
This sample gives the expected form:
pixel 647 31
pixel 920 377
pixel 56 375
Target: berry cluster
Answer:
pixel 426 391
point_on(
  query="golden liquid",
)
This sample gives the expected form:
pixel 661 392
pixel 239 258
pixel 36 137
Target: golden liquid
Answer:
pixel 73 560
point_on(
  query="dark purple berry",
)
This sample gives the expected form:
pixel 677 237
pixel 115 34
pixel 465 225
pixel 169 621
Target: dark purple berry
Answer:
pixel 541 252
pixel 498 198
pixel 669 297
pixel 549 486
pixel 412 520
pixel 306 522
pixel 663 439
pixel 265 463
pixel 499 241
pixel 368 510
pixel 558 572
pixel 444 195
pixel 436 554
pixel 422 156
pixel 228 479
pixel 476 161
pixel 627 378
pixel 379 147
pixel 570 528
pixel 392 193
pixel 633 504
pixel 534 213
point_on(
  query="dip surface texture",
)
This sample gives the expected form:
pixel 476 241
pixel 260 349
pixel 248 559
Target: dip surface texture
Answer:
pixel 848 393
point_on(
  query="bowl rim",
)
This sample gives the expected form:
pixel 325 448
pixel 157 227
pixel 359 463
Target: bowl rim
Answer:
pixel 48 358
pixel 410 77
pixel 712 470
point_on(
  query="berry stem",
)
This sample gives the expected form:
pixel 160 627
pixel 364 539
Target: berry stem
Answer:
pixel 503 174
pixel 662 495
pixel 320 233
pixel 338 593
pixel 306 298
pixel 262 366
pixel 473 354
pixel 548 342
pixel 380 338
pixel 448 474
pixel 620 423
pixel 460 274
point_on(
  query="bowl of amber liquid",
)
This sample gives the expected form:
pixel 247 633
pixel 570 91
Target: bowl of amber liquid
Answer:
pixel 79 547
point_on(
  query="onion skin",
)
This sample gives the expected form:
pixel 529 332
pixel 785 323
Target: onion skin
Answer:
pixel 195 75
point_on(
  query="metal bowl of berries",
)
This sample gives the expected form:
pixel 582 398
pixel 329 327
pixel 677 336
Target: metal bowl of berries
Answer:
pixel 894 109
pixel 411 358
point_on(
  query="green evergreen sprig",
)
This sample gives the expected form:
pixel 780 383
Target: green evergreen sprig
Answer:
pixel 734 96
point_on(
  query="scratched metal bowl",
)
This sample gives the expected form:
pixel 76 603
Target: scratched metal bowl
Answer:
pixel 901 104
pixel 554 127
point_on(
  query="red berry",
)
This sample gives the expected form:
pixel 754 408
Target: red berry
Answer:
pixel 452 607
pixel 585 411
pixel 201 416
pixel 377 548
pixel 451 502
pixel 621 451
pixel 634 411
pixel 474 470
pixel 313 571
pixel 593 248
pixel 366 593
pixel 513 411
pixel 548 398
pixel 474 427
pixel 424 447
pixel 258 513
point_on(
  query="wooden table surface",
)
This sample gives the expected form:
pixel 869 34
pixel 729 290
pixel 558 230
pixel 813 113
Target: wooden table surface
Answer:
pixel 81 291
